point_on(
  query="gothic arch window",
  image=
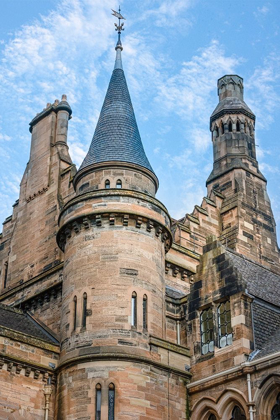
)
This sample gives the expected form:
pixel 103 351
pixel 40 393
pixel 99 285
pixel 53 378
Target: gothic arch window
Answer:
pixel 222 128
pixel 134 309
pixel 107 184
pixel 230 126
pixel 212 417
pixel 84 316
pixel 75 313
pixel 275 412
pixel 119 184
pixel 111 402
pixel 224 324
pixel 98 402
pixel 145 312
pixel 207 331
pixel 238 126
pixel 238 414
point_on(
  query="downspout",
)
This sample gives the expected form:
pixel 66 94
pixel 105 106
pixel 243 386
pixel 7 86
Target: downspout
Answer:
pixel 250 403
pixel 48 393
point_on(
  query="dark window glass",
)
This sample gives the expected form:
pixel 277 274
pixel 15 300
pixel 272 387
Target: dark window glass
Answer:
pixel 222 128
pixel 238 126
pixel 207 331
pixel 230 127
pixel 134 309
pixel 224 324
pixel 275 413
pixel 75 313
pixel 212 417
pixel 145 314
pixel 119 184
pixel 238 414
pixel 98 402
pixel 111 398
pixel 84 319
pixel 107 184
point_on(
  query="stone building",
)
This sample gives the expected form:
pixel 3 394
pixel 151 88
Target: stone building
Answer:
pixel 111 309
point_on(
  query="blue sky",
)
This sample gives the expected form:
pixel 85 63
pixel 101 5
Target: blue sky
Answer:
pixel 174 52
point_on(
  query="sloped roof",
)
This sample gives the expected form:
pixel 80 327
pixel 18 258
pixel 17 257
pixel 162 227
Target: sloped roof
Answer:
pixel 266 329
pixel 116 136
pixel 260 281
pixel 17 320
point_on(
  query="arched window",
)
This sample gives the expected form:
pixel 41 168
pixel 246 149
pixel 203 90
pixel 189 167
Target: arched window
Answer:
pixel 107 184
pixel 145 312
pixel 98 402
pixel 84 317
pixel 119 184
pixel 207 331
pixel 238 126
pixel 5 274
pixel 238 414
pixel 224 324
pixel 212 417
pixel 275 412
pixel 75 313
pixel 230 127
pixel 222 128
pixel 134 309
pixel 111 402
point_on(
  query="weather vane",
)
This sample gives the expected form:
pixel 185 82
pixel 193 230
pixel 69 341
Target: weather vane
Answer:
pixel 119 27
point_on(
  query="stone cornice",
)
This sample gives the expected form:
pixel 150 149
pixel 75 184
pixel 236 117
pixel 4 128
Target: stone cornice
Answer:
pixel 176 348
pixel 9 292
pixel 231 111
pixel 18 365
pixel 111 193
pixel 28 339
pixel 78 223
pixel 124 357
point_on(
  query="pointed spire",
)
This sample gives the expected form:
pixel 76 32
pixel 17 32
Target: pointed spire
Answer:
pixel 116 136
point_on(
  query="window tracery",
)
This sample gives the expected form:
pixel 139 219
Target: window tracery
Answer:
pixel 224 324
pixel 275 412
pixel 207 331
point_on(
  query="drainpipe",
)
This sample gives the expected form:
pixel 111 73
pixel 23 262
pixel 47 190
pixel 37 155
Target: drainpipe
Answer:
pixel 48 393
pixel 250 403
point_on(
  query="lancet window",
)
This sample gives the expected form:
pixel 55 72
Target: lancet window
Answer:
pixel 212 417
pixel 134 309
pixel 119 184
pixel 107 184
pixel 275 412
pixel 224 324
pixel 75 313
pixel 111 401
pixel 5 274
pixel 84 317
pixel 238 414
pixel 145 312
pixel 207 331
pixel 98 402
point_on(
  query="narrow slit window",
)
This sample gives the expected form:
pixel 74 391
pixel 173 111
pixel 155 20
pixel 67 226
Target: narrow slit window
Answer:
pixel 107 184
pixel 145 312
pixel 230 127
pixel 238 126
pixel 222 128
pixel 98 402
pixel 207 331
pixel 75 313
pixel 111 400
pixel 224 324
pixel 84 319
pixel 119 184
pixel 5 274
pixel 134 309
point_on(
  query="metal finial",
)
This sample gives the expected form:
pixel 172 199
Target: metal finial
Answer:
pixel 119 27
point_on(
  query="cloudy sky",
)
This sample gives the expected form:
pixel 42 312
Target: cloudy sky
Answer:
pixel 174 52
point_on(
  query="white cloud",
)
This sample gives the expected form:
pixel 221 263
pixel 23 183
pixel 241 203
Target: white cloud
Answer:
pixel 169 13
pixel 188 92
pixel 262 95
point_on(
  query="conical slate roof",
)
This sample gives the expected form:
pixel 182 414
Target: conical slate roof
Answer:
pixel 116 136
